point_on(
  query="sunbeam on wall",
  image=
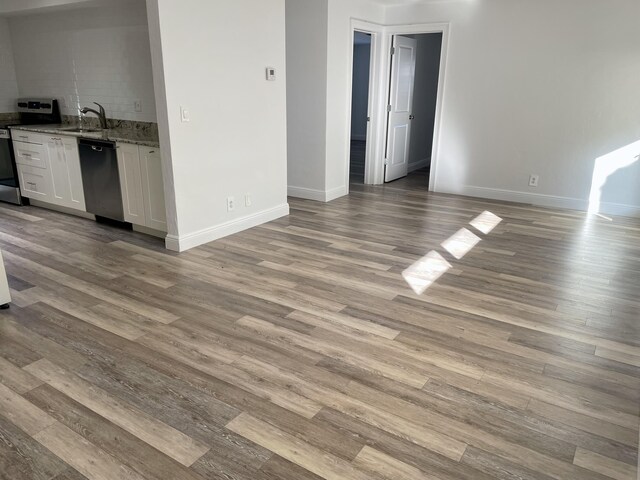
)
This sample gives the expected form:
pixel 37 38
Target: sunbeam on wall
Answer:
pixel 605 167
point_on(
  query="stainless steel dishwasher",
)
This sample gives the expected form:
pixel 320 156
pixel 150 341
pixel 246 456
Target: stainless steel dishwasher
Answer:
pixel 100 179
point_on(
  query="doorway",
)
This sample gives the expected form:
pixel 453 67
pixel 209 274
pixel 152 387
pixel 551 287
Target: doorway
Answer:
pixel 359 105
pixel 413 97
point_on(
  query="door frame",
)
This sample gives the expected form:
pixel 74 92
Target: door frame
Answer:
pixel 379 85
pixel 375 85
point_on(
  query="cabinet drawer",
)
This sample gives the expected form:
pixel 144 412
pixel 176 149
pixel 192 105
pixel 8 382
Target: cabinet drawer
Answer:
pixel 30 154
pixel 28 137
pixel 34 182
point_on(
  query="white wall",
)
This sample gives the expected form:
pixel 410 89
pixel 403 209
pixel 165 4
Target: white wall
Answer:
pixel 540 87
pixel 214 56
pixel 424 98
pixel 360 96
pixel 306 40
pixel 86 55
pixel 8 84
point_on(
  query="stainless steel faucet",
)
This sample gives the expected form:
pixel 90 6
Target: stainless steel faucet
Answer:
pixel 101 114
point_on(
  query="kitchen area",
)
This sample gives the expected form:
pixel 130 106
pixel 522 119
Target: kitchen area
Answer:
pixel 78 131
pixel 78 128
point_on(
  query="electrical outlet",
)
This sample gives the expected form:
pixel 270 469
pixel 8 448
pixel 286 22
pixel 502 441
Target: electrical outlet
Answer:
pixel 247 200
pixel 231 204
pixel 533 180
pixel 137 105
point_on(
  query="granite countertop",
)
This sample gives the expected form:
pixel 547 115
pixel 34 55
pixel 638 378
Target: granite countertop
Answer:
pixel 137 137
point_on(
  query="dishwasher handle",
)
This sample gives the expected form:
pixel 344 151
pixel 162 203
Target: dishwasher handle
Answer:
pixel 96 145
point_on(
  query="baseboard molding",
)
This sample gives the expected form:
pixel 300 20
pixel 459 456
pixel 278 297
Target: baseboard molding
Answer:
pixel 335 193
pixel 306 193
pixel 191 240
pixel 619 209
pixel 549 200
pixel 420 164
pixel 361 138
pixel 317 195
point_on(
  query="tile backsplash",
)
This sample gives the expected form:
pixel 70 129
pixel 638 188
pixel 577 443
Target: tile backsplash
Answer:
pixel 85 55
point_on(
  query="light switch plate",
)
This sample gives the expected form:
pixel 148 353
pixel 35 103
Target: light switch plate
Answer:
pixel 137 105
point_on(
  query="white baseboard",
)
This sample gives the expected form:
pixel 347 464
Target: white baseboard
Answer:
pixel 549 200
pixel 362 138
pixel 191 240
pixel 419 164
pixel 335 193
pixel 306 193
pixel 619 209
pixel 317 195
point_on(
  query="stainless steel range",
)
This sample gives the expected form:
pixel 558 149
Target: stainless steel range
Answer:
pixel 33 111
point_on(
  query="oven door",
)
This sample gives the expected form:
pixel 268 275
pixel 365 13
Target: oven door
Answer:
pixel 9 187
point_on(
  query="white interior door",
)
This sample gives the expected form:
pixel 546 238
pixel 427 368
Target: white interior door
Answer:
pixel 403 67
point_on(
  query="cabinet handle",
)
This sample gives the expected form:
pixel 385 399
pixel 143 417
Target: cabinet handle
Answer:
pixel 152 151
pixel 22 136
pixel 28 155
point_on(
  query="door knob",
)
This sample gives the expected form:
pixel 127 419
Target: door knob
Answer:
pixel 411 117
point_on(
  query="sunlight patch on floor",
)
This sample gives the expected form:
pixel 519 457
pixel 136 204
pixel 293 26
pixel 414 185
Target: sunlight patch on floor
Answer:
pixel 485 222
pixel 425 271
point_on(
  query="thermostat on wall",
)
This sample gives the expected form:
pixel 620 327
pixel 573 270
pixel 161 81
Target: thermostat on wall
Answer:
pixel 271 74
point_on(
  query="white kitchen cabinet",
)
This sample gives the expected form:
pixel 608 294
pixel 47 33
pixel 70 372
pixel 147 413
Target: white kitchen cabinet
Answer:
pixel 49 169
pixel 155 211
pixel 142 186
pixel 35 182
pixel 66 176
pixel 131 183
pixel 33 166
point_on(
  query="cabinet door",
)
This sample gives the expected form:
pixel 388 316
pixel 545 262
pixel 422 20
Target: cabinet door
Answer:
pixel 60 190
pixel 69 150
pixel 31 154
pixel 131 183
pixel 35 182
pixel 66 177
pixel 153 188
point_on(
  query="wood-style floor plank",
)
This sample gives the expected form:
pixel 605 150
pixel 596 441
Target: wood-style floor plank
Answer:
pixel 298 350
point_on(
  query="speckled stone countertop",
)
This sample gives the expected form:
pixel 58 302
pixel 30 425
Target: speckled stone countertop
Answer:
pixel 138 136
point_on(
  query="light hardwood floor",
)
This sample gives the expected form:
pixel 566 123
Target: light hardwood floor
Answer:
pixel 297 350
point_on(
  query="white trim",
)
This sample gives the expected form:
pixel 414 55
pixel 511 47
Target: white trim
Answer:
pixel 306 193
pixel 385 68
pixel 317 195
pixel 336 193
pixel 191 240
pixel 548 200
pixel 419 164
pixel 620 209
pixel 377 113
pixel 524 197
